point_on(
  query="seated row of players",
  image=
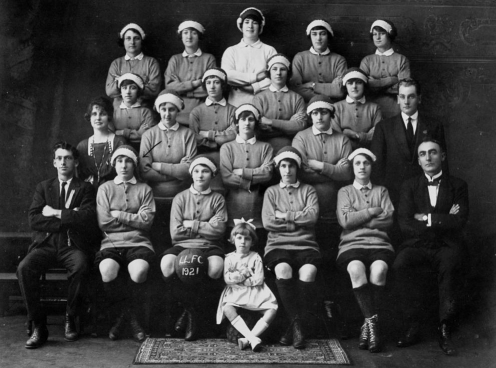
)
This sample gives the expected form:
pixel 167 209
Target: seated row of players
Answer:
pixel 315 72
pixel 289 214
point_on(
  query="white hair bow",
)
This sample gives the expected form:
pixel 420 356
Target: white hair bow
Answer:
pixel 243 221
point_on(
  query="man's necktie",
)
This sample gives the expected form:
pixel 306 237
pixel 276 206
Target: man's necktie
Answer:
pixel 409 131
pixel 62 196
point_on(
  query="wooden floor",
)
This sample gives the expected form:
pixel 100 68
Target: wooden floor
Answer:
pixel 476 344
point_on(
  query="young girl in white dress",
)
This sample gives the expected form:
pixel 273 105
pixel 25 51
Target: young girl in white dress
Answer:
pixel 244 276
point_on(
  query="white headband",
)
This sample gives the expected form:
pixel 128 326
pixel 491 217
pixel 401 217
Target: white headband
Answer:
pixel 190 24
pixel 288 154
pixel 243 221
pixel 132 77
pixel 239 21
pixel 202 161
pixel 133 26
pixel 216 73
pixel 169 97
pixel 380 23
pixel 124 151
pixel 354 75
pixel 281 59
pixel 362 151
pixel 320 105
pixel 321 23
pixel 247 107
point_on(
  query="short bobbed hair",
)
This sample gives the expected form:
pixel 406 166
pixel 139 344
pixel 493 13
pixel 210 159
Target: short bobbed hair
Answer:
pixel 224 85
pixel 391 36
pixel 104 103
pixel 246 230
pixel 244 115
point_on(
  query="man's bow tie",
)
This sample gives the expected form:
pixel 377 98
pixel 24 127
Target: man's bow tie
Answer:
pixel 434 182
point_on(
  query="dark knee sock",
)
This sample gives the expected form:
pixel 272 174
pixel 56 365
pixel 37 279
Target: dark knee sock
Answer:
pixel 308 297
pixel 286 289
pixel 187 295
pixel 115 293
pixel 137 298
pixel 363 296
pixel 378 294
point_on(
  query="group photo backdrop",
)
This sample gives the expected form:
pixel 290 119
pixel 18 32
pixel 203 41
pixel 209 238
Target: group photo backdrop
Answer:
pixel 55 57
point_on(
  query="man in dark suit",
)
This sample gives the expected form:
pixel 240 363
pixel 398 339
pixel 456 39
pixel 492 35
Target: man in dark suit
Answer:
pixel 432 213
pixel 396 140
pixel 63 218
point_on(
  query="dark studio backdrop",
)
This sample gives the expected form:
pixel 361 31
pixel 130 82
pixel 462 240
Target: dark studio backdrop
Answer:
pixel 55 55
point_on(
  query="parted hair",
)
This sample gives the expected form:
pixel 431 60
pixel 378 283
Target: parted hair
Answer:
pixel 66 146
pixel 104 103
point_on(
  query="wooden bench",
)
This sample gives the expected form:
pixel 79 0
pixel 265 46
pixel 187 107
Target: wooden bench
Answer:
pixel 9 288
pixel 13 248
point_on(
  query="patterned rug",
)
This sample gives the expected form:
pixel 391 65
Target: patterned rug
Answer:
pixel 161 351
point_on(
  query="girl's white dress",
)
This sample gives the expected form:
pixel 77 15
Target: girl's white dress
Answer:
pixel 244 276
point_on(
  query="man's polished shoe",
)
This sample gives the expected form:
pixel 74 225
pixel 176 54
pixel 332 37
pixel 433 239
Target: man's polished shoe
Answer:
pixel 445 342
pixel 181 322
pixel 38 337
pixel 70 332
pixel 411 337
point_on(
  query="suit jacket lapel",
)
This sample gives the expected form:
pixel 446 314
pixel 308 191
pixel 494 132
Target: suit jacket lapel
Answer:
pixel 424 195
pixel 54 189
pixel 399 134
pixel 74 186
pixel 422 130
pixel 443 196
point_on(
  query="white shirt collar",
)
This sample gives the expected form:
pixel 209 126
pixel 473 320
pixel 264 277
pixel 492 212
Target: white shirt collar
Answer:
pixel 405 117
pixel 138 57
pixel 295 185
pixel 252 140
pixel 385 53
pixel 315 131
pixel 359 186
pixel 198 53
pixel 255 45
pixel 326 52
pixel 434 177
pixel 283 89
pixel 195 192
pixel 123 105
pixel 163 127
pixel 67 181
pixel 118 181
pixel 351 101
pixel 210 102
